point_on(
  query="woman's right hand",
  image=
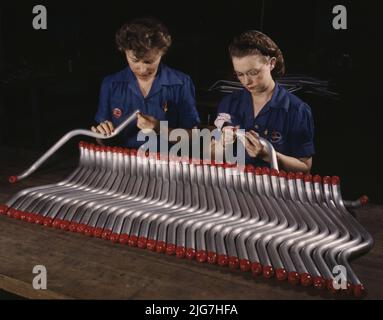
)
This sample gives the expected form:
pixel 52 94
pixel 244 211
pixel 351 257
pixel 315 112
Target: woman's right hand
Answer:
pixel 106 128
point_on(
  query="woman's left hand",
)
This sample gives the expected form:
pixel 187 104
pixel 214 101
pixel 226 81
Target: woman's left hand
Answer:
pixel 253 146
pixel 146 122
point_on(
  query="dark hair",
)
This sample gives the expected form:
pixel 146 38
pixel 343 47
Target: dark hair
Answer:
pixel 255 42
pixel 142 35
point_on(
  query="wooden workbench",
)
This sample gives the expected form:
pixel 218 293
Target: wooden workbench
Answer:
pixel 89 268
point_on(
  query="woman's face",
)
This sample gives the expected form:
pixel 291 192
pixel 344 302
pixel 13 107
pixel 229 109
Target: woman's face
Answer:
pixel 254 71
pixel 146 67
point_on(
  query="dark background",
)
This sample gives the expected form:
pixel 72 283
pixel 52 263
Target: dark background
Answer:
pixel 49 79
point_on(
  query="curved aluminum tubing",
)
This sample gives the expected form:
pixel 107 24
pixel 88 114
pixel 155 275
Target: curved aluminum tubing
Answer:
pixel 195 227
pixel 364 246
pixel 338 235
pixel 176 230
pixel 268 146
pixel 146 192
pixel 90 212
pixel 155 227
pixel 96 180
pixel 301 228
pixel 32 199
pixel 80 181
pixel 98 187
pixel 355 235
pixel 300 252
pixel 114 188
pixel 69 136
pixel 147 224
pixel 309 227
pixel 205 235
pixel 168 224
pixel 19 197
pixel 361 242
pixel 108 186
pixel 163 192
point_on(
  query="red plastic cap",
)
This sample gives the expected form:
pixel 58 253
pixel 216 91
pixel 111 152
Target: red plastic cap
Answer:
pixel 114 237
pixel 282 174
pixel 258 171
pixel 335 180
pixel 299 175
pixel 268 272
pixel 306 279
pixel 12 179
pixel 48 222
pixel 250 168
pixel 223 260
pixel 89 231
pixel 31 217
pixel 274 172
pixel 106 234
pixel 290 176
pixel 141 242
pixel 190 253
pixel 39 219
pixel 56 223
pixel 124 238
pixel 97 232
pixel 281 274
pixel 64 225
pixel 265 171
pixel 201 256
pixel 133 240
pixel 364 200
pixel 81 228
pixel 308 178
pixel 170 249
pixel 3 209
pixel 233 263
pixel 317 179
pixel 212 258
pixel 161 247
pixel 326 180
pixel 293 278
pixel 256 268
pixel 180 252
pixel 73 226
pixel 244 265
pixel 319 283
pixel 151 244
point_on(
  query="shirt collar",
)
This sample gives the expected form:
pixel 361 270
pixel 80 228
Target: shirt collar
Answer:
pixel 278 100
pixel 164 77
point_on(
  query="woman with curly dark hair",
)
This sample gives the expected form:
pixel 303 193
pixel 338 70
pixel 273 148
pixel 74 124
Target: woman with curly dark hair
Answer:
pixel 160 92
pixel 264 108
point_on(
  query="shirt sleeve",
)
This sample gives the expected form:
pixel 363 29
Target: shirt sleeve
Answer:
pixel 302 133
pixel 188 114
pixel 103 112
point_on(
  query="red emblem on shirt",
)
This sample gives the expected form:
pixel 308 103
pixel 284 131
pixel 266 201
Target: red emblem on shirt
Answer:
pixel 117 113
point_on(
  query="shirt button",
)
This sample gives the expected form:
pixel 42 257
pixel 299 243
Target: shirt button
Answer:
pixel 256 126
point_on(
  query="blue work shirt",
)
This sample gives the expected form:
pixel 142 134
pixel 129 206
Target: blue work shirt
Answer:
pixel 286 121
pixel 171 98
